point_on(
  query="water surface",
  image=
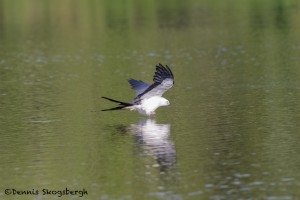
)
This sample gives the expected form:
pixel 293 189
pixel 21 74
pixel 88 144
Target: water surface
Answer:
pixel 231 131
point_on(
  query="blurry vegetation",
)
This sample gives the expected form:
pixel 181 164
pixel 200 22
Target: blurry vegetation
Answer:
pixel 83 19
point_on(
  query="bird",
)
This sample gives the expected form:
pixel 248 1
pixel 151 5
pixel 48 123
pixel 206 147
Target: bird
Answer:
pixel 149 96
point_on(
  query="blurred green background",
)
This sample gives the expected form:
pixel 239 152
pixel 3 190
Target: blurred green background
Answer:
pixel 231 132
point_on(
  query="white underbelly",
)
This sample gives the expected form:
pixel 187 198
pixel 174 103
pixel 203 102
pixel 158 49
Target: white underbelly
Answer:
pixel 148 106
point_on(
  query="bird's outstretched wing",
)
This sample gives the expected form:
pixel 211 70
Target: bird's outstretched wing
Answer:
pixel 139 86
pixel 163 81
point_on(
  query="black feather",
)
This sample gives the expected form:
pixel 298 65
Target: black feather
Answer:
pixel 116 101
pixel 115 108
pixel 121 103
pixel 162 73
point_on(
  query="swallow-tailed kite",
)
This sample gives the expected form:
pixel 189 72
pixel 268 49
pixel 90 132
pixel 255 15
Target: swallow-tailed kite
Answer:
pixel 148 97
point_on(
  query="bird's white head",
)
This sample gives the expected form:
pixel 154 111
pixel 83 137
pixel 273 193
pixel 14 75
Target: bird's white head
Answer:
pixel 164 102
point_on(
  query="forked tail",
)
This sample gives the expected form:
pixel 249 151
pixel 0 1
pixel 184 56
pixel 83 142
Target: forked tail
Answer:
pixel 122 104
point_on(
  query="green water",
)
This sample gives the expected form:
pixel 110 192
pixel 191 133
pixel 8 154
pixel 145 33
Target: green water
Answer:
pixel 231 131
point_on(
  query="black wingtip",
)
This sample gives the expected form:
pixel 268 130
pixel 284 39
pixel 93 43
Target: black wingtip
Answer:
pixel 162 72
pixel 168 68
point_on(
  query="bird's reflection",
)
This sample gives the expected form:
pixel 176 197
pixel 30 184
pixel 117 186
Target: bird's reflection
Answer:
pixel 154 139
